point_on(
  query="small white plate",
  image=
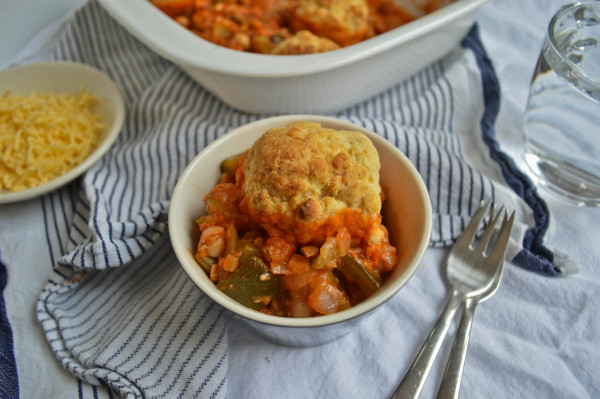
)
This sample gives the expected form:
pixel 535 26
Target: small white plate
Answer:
pixel 67 77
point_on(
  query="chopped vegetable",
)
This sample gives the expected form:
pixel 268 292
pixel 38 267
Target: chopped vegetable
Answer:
pixel 206 262
pixel 248 251
pixel 327 253
pixel 228 165
pixel 358 273
pixel 328 297
pixel 251 284
pixel 232 239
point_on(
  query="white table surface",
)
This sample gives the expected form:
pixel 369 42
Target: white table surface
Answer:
pixel 552 339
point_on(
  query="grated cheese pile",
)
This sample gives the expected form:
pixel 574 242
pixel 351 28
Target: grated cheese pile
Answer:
pixel 42 136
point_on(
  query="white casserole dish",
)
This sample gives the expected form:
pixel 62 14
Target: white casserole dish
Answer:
pixel 314 83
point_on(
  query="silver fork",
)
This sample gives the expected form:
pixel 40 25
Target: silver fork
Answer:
pixel 450 386
pixel 470 271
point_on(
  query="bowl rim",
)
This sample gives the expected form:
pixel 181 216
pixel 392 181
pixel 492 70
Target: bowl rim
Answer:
pixel 382 296
pixel 67 67
pixel 158 31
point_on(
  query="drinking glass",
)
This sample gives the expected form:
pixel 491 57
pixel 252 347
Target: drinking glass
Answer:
pixel 562 118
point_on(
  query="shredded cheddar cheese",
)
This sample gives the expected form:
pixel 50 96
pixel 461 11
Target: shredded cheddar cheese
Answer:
pixel 43 136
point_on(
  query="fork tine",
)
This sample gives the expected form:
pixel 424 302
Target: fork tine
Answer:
pixel 502 241
pixel 489 229
pixel 468 235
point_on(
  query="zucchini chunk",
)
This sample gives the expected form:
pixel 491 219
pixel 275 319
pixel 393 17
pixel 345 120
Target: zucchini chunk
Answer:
pixel 355 271
pixel 251 284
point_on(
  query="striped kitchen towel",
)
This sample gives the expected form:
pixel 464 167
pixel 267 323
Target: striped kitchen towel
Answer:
pixel 119 312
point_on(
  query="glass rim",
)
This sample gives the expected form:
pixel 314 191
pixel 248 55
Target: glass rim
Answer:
pixel 551 39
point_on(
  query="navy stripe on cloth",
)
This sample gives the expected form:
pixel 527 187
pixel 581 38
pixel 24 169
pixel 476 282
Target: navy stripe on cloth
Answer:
pixel 9 377
pixel 534 255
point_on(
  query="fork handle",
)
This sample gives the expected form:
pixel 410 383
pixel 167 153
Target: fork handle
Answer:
pixel 413 381
pixel 450 385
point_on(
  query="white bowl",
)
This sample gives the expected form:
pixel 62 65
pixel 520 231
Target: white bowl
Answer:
pixel 314 83
pixel 67 77
pixel 406 214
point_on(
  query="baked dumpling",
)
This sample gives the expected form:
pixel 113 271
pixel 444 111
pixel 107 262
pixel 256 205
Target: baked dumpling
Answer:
pixel 344 21
pixel 307 181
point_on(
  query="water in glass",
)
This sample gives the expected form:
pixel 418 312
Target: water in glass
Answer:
pixel 562 119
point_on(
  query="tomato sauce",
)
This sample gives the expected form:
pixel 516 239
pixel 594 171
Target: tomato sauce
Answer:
pixel 259 25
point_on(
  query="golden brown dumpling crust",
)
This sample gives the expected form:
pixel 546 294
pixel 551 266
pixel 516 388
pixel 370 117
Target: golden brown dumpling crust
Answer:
pixel 313 180
pixel 344 21
pixel 304 42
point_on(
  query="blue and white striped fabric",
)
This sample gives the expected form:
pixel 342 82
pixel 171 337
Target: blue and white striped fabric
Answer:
pixel 9 388
pixel 119 312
